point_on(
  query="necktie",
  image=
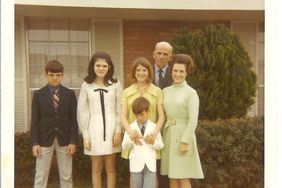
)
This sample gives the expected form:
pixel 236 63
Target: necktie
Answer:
pixel 161 78
pixel 101 91
pixel 142 129
pixel 56 100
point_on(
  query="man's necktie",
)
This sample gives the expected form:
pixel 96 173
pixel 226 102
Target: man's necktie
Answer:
pixel 101 91
pixel 142 129
pixel 56 100
pixel 161 78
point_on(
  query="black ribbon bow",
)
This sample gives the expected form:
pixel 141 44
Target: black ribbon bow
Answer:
pixel 101 91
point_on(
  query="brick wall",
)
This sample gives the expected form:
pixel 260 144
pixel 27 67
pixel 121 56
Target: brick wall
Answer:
pixel 140 37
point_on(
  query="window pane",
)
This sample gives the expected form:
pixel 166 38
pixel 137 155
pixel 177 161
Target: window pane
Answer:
pixel 37 58
pixel 60 52
pixel 79 63
pixel 38 30
pixel 66 41
pixel 79 30
pixel 59 30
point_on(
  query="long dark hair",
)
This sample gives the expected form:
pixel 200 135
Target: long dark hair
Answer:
pixel 108 79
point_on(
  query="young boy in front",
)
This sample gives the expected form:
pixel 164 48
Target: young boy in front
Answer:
pixel 142 158
pixel 53 127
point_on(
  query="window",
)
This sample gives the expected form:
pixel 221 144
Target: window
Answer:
pixel 66 40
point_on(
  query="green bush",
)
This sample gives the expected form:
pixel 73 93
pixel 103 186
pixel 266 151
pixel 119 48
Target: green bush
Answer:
pixel 223 79
pixel 231 151
pixel 24 161
pixel 25 166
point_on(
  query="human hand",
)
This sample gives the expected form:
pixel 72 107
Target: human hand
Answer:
pixel 137 141
pixel 135 136
pixel 36 150
pixel 116 139
pixel 150 138
pixel 71 149
pixel 87 144
pixel 183 148
pixel 132 133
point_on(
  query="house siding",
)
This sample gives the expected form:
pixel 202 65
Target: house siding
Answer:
pixel 247 32
pixel 106 36
pixel 21 110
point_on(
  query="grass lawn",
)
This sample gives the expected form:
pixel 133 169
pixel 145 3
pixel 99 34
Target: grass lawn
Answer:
pixel 81 185
pixel 76 184
pixel 54 182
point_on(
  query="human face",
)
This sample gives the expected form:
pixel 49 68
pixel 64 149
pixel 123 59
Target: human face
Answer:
pixel 179 73
pixel 54 78
pixel 141 73
pixel 101 68
pixel 142 117
pixel 162 55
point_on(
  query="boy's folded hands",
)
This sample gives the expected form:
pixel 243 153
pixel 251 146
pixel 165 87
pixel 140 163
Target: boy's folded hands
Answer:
pixel 150 139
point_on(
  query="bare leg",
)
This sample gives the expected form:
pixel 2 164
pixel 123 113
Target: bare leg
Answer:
pixel 110 164
pixel 174 183
pixel 97 168
pixel 185 183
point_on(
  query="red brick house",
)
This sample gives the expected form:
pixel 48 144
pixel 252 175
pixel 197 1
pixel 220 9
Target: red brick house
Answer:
pixel 71 31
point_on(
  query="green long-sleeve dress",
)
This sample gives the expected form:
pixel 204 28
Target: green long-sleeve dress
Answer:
pixel 181 104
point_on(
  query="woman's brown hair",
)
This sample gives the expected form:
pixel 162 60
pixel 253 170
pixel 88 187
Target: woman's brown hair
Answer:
pixel 145 63
pixel 186 60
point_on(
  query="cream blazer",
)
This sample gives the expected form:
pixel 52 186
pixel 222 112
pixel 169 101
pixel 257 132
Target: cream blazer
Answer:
pixel 145 154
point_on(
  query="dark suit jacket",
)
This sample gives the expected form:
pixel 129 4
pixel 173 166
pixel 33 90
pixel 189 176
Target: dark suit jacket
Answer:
pixel 46 124
pixel 167 78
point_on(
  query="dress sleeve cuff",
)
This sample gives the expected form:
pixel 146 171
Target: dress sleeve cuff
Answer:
pixel 85 134
pixel 187 139
pixel 118 129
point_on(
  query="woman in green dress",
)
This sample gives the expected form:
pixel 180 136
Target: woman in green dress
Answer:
pixel 180 158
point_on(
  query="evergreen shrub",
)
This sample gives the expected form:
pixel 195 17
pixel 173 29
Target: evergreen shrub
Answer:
pixel 24 161
pixel 223 78
pixel 231 152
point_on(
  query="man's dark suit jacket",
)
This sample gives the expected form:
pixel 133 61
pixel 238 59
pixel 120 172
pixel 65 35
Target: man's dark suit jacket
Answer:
pixel 167 78
pixel 46 124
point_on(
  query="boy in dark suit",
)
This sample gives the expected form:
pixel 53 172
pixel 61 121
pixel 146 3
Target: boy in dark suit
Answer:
pixel 53 127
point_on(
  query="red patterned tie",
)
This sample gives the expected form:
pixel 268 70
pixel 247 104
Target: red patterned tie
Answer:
pixel 56 100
